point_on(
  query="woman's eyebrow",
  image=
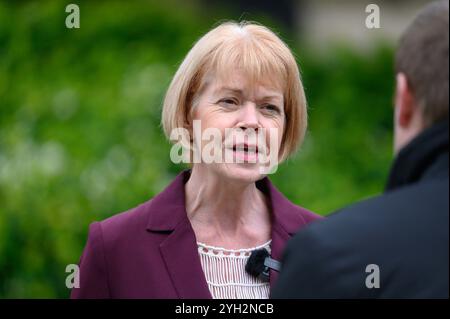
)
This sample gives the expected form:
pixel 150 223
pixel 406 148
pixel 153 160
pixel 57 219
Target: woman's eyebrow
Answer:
pixel 272 98
pixel 228 89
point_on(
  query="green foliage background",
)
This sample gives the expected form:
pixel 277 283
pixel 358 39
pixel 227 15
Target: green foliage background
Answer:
pixel 79 126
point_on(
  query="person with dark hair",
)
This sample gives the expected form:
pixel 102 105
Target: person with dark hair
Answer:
pixel 394 245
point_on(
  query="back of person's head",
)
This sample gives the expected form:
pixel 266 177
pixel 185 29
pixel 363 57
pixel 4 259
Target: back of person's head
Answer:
pixel 423 57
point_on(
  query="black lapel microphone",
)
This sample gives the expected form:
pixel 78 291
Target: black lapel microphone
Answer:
pixel 259 264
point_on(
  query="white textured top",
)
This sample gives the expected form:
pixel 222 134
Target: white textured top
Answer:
pixel 226 276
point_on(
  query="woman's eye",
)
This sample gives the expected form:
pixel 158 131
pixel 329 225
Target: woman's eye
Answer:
pixel 228 101
pixel 271 108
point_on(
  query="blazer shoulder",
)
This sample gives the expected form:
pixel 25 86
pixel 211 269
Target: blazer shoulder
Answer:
pixel 398 213
pixel 303 214
pixel 395 208
pixel 126 223
pixel 293 218
pixel 307 215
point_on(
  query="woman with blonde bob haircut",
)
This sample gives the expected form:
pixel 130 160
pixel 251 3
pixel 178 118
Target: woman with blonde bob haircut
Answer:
pixel 260 55
pixel 194 239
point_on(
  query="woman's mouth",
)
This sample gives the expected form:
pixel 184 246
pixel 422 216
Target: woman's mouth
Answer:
pixel 246 153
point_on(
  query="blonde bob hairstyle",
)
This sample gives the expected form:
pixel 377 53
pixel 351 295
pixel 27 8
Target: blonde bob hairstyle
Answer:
pixel 260 54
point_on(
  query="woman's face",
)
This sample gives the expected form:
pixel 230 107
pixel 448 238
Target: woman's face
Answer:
pixel 234 106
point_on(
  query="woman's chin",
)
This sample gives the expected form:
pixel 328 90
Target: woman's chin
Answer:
pixel 245 172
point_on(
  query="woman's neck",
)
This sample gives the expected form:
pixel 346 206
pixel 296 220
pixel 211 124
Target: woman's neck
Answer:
pixel 226 213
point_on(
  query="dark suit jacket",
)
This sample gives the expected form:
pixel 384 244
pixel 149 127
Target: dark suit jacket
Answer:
pixel 404 232
pixel 151 252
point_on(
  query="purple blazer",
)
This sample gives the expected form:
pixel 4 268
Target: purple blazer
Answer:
pixel 150 251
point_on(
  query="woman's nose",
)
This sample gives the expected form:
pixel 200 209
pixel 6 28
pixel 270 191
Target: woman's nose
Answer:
pixel 249 117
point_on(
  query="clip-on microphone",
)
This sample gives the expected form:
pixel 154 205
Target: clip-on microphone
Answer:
pixel 259 264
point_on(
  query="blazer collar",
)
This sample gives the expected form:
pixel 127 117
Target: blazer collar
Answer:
pixel 168 207
pixel 167 213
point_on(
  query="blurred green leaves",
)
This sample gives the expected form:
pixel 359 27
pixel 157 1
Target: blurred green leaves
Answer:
pixel 80 138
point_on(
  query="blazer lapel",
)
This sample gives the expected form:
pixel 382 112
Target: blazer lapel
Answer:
pixel 286 220
pixel 279 240
pixel 180 255
pixel 179 249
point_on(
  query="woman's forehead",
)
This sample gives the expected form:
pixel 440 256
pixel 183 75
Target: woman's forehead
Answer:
pixel 239 82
